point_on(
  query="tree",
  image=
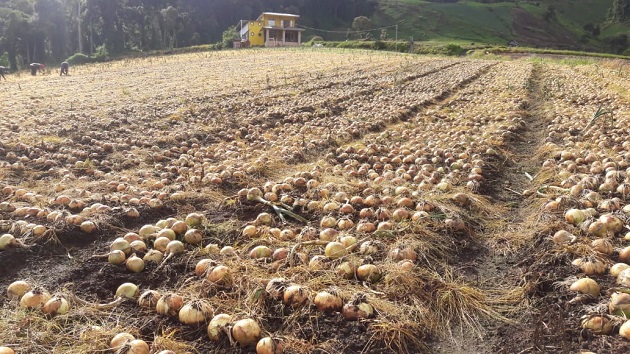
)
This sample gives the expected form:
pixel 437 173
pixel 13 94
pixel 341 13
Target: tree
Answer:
pixel 619 11
pixel 230 35
pixel 362 24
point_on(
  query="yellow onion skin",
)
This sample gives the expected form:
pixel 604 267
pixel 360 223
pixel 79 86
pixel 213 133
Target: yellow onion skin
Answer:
pixel 18 288
pixel 6 350
pixel 327 302
pixel 169 305
pixel 295 295
pixel 246 332
pixel 599 325
pixel 56 306
pixel 35 298
pixel 619 304
pixel 217 326
pixel 195 313
pixel 149 299
pixel 138 346
pixel 269 345
pixel 120 340
pixel 624 330
pixel 353 312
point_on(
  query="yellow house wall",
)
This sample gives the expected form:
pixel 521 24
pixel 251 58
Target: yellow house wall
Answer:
pixel 256 36
pixel 265 19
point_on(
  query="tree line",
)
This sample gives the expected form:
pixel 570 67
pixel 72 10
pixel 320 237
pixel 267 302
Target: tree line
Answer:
pixel 52 30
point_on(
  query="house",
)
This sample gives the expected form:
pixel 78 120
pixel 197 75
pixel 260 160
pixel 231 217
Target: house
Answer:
pixel 271 29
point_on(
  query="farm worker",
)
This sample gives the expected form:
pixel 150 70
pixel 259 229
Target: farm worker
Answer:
pixel 35 67
pixel 64 68
pixel 2 71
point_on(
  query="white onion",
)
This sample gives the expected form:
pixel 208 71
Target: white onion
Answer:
pixel 295 295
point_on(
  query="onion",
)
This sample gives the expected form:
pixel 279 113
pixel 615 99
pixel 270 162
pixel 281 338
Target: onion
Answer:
pixel 564 237
pixel 246 332
pixel 179 227
pixel 202 267
pixel 402 252
pixel 328 301
pixel 619 304
pixel 154 256
pixel 168 233
pixel 575 216
pixel 194 219
pixel 120 340
pixel 134 264
pixel 617 268
pixel 602 245
pixel 56 306
pixel 195 313
pixel 138 346
pixel 193 236
pixel 328 234
pixel 6 350
pixel 122 245
pixel 295 295
pixel 623 278
pixel 18 288
pixel 599 325
pixel 218 326
pixel 586 286
pixel 88 227
pixel 128 290
pixel 138 246
pixel 149 299
pixel 276 287
pixel 260 252
pixel 264 219
pixel 116 257
pixel 613 223
pixel 346 270
pixel 160 243
pixel 169 305
pixel 369 273
pixel 624 255
pixel 335 250
pixel 8 240
pixel 220 275
pixel 269 345
pixel 624 330
pixel 353 312
pixel 35 298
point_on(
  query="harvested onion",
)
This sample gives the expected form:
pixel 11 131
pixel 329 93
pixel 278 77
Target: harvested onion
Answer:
pixel 246 332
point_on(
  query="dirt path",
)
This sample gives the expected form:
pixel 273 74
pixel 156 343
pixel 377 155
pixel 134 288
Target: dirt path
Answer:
pixel 495 266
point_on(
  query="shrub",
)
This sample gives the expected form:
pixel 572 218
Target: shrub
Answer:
pixel 454 49
pixel 79 58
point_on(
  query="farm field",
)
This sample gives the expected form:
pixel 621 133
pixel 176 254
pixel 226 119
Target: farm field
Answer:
pixel 316 201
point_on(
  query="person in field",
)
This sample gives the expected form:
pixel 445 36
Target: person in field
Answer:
pixel 35 67
pixel 64 68
pixel 2 71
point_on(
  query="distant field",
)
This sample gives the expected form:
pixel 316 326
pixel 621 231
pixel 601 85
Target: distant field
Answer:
pixel 340 200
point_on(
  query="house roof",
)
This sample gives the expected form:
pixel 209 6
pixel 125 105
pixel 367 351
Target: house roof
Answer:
pixel 285 28
pixel 278 14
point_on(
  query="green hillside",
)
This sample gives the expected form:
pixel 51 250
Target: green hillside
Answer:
pixel 564 24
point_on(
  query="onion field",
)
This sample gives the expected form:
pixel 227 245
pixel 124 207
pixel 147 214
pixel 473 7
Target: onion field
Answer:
pixel 316 201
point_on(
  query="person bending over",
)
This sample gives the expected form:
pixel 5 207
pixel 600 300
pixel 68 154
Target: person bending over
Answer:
pixel 64 68
pixel 35 67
